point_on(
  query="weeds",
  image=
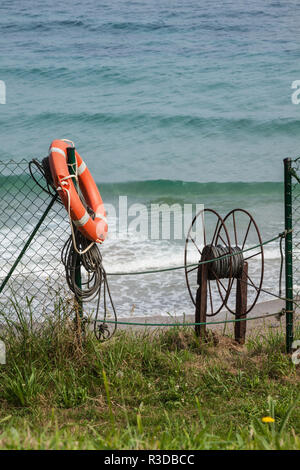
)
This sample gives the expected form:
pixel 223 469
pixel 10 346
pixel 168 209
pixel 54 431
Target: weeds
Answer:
pixel 21 386
pixel 69 392
pixel 144 391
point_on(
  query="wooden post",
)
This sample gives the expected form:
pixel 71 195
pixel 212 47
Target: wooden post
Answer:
pixel 241 306
pixel 201 301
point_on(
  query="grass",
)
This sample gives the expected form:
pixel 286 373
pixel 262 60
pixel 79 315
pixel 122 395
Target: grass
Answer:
pixel 145 390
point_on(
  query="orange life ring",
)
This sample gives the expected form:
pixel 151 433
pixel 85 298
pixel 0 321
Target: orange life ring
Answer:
pixel 93 229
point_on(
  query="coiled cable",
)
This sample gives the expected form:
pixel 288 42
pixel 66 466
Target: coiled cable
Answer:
pixel 223 267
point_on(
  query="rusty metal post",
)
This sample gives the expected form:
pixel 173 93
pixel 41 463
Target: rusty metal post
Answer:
pixel 241 306
pixel 201 301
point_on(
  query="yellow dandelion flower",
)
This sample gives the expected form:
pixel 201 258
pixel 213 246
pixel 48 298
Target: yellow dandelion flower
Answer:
pixel 268 419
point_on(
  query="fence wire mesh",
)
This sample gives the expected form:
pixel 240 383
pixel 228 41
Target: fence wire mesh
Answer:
pixel 39 277
pixel 295 167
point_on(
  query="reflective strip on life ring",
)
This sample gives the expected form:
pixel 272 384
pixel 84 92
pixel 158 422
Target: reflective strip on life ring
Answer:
pixel 93 229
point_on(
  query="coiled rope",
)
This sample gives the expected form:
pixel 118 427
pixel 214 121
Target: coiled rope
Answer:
pixel 91 260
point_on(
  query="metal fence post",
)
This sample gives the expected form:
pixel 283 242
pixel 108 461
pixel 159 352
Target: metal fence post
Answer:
pixel 288 253
pixel 72 165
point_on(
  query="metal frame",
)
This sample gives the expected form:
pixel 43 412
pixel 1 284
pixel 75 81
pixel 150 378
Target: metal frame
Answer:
pixel 240 309
pixel 289 304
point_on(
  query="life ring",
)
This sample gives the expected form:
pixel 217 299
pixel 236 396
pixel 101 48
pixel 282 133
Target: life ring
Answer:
pixel 95 229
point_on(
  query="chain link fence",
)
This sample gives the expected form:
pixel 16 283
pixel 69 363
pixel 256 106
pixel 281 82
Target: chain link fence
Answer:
pixel 30 275
pixel 292 244
pixel 34 228
pixel 295 167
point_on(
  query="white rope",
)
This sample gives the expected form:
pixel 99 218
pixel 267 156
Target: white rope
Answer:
pixel 70 142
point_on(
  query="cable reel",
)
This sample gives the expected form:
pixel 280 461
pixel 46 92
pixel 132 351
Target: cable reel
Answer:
pixel 226 277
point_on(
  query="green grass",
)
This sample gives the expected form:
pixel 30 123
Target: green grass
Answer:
pixel 145 390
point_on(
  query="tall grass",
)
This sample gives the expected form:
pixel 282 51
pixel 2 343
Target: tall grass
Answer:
pixel 142 390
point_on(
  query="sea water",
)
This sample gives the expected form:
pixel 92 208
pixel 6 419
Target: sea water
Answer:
pixel 167 102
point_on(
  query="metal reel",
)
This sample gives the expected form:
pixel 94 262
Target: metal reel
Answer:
pixel 201 243
pixel 244 233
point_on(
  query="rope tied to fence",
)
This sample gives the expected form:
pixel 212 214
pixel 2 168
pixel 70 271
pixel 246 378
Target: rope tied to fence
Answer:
pixel 278 315
pixel 174 268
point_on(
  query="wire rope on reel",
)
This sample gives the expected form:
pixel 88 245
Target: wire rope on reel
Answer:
pixel 221 267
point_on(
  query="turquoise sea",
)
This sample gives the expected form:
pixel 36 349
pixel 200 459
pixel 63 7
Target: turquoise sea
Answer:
pixel 167 101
